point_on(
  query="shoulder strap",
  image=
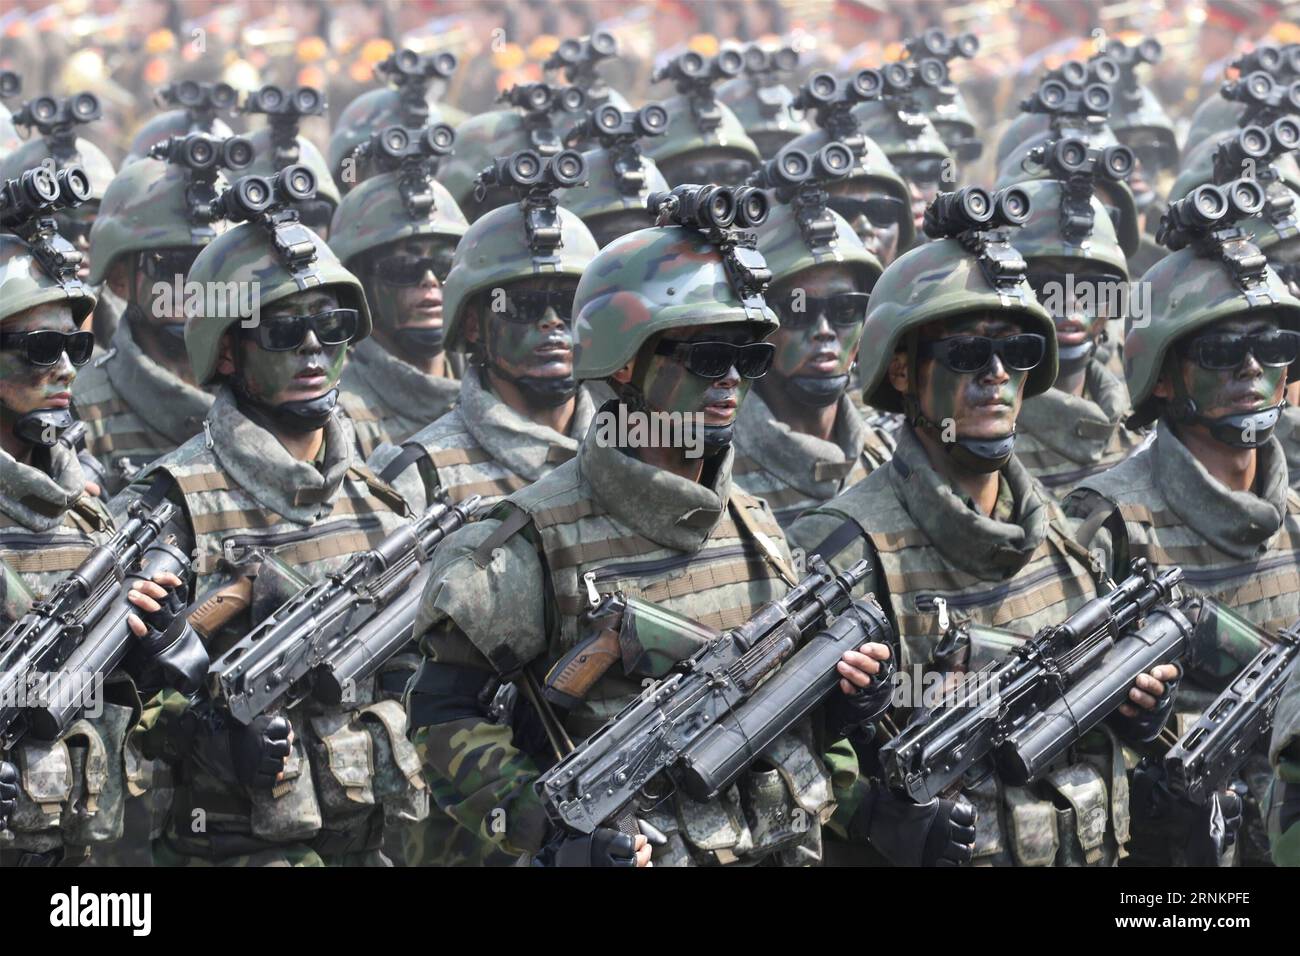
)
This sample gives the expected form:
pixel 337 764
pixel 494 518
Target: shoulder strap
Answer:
pixel 511 524
pixel 403 461
pixel 1101 512
pixel 740 508
pixel 839 539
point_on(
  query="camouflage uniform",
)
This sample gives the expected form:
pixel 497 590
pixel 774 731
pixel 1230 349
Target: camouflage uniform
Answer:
pixel 1288 434
pixel 1281 807
pixel 246 506
pixel 1015 570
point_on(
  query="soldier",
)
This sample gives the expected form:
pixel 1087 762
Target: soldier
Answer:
pixel 48 526
pixel 959 535
pixel 1076 428
pixel 762 102
pixel 1211 493
pixel 139 399
pixel 675 325
pixel 1282 810
pixel 800 441
pixel 705 142
pixel 273 493
pixel 397 231
pixel 200 108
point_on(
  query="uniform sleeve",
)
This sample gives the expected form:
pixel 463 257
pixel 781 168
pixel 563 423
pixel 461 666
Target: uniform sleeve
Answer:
pixel 481 620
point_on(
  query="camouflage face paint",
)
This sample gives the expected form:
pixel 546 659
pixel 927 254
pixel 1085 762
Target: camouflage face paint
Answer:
pixel 1249 387
pixel 406 304
pixel 24 387
pixel 979 405
pixel 539 348
pixel 306 372
pixel 666 385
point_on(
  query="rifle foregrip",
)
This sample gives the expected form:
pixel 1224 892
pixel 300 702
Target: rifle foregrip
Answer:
pixel 222 606
pixel 576 672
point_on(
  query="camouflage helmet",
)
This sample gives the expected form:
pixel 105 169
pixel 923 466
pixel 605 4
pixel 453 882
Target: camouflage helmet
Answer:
pixel 145 207
pixel 496 250
pixel 1025 126
pixel 951 117
pixel 244 256
pixel 764 112
pixel 1199 170
pixel 1214 115
pixel 480 140
pixel 25 283
pixel 88 156
pixel 375 214
pixel 1190 292
pixel 264 163
pixel 1142 113
pixel 166 125
pixel 684 136
pixel 1019 169
pixel 787 251
pixel 941 280
pixel 369 113
pixel 900 135
pixel 873 167
pixel 649 281
pixel 603 196
pixel 1041 236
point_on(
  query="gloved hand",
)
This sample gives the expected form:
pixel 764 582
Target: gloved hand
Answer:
pixel 848 713
pixel 1205 832
pixel 1136 724
pixel 1217 825
pixel 938 833
pixel 168 652
pixel 258 751
pixel 602 847
pixel 8 792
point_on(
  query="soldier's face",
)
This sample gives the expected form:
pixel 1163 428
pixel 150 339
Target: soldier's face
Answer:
pixel 74 225
pixel 160 331
pixel 821 312
pixel 1080 297
pixel 404 284
pixel 979 405
pixel 300 374
pixel 719 166
pixel 668 385
pixel 1248 387
pixel 874 213
pixel 525 329
pixel 25 387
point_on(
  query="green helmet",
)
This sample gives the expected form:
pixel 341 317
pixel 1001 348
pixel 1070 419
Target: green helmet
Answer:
pixel 1189 292
pixel 1033 129
pixel 496 250
pixel 26 283
pixel 480 140
pixel 1214 115
pixel 308 155
pixel 172 123
pixel 1140 112
pixel 603 195
pixel 1026 126
pixel 368 114
pixel 1041 237
pixel 1264 233
pixel 145 207
pixel 649 281
pixel 899 134
pixel 873 167
pixel 88 156
pixel 764 112
pixel 947 110
pixel 245 256
pixel 375 214
pixel 941 280
pixel 786 247
pixel 1018 169
pixel 684 135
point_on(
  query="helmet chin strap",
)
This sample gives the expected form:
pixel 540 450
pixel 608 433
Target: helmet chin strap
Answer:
pixel 301 417
pixel 1071 358
pixel 1232 430
pixel 43 426
pixel 816 391
pixel 716 438
pixel 422 343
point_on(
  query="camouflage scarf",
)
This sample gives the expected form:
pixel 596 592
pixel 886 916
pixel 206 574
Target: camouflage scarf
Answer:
pixel 987 548
pixel 34 499
pixel 261 466
pixel 159 397
pixel 1078 428
pixel 514 440
pixel 1238 522
pixel 792 456
pixel 656 504
pixel 407 391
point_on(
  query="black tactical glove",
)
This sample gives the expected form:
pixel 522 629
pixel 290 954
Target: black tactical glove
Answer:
pixel 602 847
pixel 258 751
pixel 8 792
pixel 938 833
pixel 171 654
pixel 849 713
pixel 1205 832
pixel 1147 724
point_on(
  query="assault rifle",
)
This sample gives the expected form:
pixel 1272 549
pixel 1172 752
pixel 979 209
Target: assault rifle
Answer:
pixel 715 713
pixel 336 632
pixel 1030 707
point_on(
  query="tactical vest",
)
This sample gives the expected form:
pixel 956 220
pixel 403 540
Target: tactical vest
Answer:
pixel 396 397
pixel 44 558
pixel 350 764
pixel 1062 819
pixel 366 424
pixel 721 585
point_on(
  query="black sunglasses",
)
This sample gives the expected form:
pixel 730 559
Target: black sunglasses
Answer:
pixel 843 310
pixel 715 359
pixel 410 270
pixel 881 211
pixel 1221 352
pixel 966 354
pixel 288 332
pixel 167 264
pixel 46 346
pixel 525 306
